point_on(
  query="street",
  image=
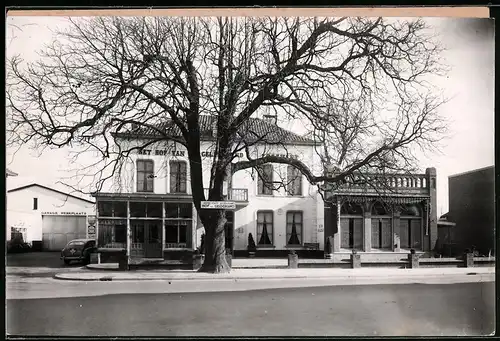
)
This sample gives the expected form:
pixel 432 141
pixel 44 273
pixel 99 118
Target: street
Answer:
pixel 389 310
pixel 219 307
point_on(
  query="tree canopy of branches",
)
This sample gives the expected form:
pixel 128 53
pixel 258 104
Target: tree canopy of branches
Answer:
pixel 358 84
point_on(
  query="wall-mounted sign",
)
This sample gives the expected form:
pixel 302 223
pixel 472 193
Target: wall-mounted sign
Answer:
pixel 320 228
pixel 220 205
pixel 161 152
pixel 207 154
pixel 289 156
pixel 64 213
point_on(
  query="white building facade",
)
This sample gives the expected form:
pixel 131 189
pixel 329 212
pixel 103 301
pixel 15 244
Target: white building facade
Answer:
pixel 150 214
pixel 40 214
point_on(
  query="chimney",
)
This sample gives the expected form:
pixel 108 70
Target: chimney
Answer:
pixel 272 119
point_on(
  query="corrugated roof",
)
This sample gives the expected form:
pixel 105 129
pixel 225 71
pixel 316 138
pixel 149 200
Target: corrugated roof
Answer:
pixel 251 130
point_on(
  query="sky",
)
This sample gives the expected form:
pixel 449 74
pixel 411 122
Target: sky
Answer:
pixel 469 85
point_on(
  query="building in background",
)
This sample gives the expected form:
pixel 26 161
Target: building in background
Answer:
pixel 472 209
pixel 44 216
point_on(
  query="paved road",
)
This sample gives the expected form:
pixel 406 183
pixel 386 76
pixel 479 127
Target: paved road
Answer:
pixel 407 310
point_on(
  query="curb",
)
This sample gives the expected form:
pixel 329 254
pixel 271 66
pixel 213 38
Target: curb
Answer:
pixel 110 278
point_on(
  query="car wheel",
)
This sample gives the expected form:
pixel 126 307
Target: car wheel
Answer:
pixel 86 260
pixel 66 261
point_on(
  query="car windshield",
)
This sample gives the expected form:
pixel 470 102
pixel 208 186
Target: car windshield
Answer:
pixel 76 243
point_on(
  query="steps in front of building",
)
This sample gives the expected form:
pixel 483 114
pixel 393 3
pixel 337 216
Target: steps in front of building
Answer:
pixel 160 263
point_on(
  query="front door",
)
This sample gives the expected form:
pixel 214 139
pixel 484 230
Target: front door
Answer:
pixel 153 246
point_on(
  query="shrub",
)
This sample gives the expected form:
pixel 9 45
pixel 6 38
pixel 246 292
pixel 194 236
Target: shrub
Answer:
pixel 251 243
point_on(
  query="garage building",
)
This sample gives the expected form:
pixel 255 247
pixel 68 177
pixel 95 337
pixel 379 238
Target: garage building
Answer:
pixel 42 215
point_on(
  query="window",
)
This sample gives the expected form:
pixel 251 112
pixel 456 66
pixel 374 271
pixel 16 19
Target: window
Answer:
pixel 143 209
pixel 178 224
pixel 18 233
pixel 178 176
pixel 294 228
pixel 176 233
pixel 145 175
pixel 112 209
pixel 112 233
pixel 294 181
pixel 35 204
pixel 265 179
pixel 351 226
pixel 265 228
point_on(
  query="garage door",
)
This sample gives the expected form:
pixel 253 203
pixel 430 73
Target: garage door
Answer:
pixel 57 231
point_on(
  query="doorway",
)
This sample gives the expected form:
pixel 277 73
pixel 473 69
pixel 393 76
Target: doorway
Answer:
pixel 153 246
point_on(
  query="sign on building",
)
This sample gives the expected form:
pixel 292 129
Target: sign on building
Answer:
pixel 218 205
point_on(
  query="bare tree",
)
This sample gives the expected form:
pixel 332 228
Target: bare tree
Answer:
pixel 358 84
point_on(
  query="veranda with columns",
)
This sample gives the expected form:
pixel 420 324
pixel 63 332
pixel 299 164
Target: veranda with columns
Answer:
pixel 391 213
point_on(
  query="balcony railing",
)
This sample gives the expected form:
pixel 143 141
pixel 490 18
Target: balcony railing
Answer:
pixel 383 183
pixel 235 194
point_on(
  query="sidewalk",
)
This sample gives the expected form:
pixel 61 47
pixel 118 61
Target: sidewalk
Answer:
pixel 480 274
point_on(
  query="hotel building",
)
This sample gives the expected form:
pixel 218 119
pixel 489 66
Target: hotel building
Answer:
pixel 149 211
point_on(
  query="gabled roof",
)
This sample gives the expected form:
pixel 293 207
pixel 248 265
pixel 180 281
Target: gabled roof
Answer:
pixel 50 189
pixel 250 130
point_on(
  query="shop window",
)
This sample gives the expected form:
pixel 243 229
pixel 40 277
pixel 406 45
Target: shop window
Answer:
pixel 145 176
pixel 294 228
pixel 176 233
pixel 112 233
pixel 265 228
pixel 105 208
pixel 294 181
pixel 178 177
pixel 176 210
pixel 116 209
pixel 137 209
pixel 265 179
pixel 154 210
pixel 120 209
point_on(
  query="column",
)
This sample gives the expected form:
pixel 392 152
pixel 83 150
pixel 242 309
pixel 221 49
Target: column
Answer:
pixel 129 232
pixel 336 235
pixel 432 187
pixel 396 247
pixel 367 227
pixel 163 232
pixel 97 236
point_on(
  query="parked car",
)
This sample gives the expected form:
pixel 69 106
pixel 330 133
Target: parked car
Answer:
pixel 78 250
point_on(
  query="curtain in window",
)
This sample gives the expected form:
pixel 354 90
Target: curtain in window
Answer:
pixel 265 228
pixel 294 228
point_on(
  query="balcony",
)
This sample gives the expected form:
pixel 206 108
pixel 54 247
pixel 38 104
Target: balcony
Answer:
pixel 238 195
pixel 382 184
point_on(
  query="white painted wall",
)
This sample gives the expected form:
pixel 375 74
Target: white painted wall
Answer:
pixel 245 218
pixel 20 211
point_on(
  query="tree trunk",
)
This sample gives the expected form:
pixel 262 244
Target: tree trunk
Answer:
pixel 215 253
